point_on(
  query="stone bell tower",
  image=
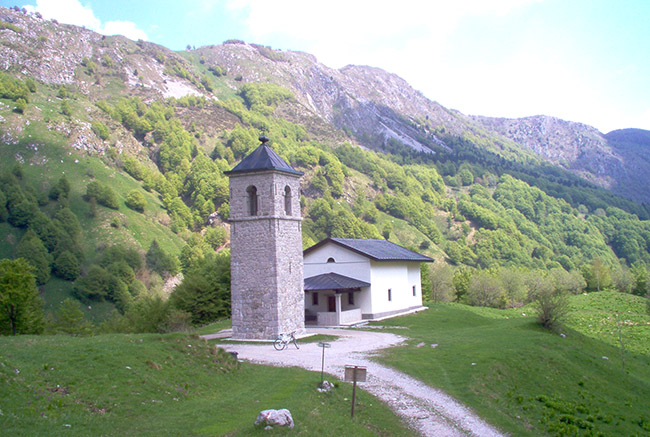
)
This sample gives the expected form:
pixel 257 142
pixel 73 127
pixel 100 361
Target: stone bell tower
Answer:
pixel 267 289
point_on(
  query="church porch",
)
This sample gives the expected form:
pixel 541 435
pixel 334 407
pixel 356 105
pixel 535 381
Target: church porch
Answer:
pixel 332 300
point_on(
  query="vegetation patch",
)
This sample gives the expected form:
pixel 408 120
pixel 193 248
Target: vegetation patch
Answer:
pixel 524 379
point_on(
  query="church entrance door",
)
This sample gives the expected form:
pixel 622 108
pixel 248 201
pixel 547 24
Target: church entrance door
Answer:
pixel 331 304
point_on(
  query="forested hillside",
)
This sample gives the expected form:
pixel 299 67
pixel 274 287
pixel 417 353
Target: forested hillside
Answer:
pixel 112 182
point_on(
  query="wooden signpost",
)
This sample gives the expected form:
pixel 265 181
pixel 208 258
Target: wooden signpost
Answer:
pixel 355 374
pixel 322 365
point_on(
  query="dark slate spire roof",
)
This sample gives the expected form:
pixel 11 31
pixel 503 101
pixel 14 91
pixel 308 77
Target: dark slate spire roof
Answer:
pixel 377 250
pixel 263 159
pixel 332 281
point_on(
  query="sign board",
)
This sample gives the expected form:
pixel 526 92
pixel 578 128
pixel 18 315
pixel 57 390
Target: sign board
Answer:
pixel 360 373
pixel 323 345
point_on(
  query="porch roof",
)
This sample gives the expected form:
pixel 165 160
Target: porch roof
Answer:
pixel 332 281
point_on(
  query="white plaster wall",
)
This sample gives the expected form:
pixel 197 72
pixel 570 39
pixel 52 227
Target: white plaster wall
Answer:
pixel 415 279
pixel 399 277
pixel 347 263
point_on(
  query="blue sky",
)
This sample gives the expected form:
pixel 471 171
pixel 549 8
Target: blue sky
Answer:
pixel 580 60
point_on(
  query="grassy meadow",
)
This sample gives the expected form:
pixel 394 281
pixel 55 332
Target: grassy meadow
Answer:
pixel 173 384
pixel 530 381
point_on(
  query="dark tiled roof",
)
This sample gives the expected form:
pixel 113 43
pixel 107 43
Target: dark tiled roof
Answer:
pixel 378 250
pixel 261 159
pixel 332 281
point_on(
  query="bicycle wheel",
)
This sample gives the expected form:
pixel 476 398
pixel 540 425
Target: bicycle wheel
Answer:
pixel 279 344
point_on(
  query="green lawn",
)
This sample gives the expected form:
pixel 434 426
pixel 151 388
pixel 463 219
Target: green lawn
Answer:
pixel 524 379
pixel 164 385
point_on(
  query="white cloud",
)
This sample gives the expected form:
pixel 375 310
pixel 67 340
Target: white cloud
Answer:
pixel 126 28
pixel 73 12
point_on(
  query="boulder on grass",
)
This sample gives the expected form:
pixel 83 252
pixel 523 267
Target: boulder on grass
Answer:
pixel 275 418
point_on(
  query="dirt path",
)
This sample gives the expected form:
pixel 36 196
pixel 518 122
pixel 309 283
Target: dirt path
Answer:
pixel 426 409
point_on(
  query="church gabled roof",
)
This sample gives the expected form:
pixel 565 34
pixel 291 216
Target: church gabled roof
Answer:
pixel 332 281
pixel 263 159
pixel 377 250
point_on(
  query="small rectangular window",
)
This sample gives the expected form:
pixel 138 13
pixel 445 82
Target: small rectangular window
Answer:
pixel 414 290
pixel 314 299
pixel 351 298
pixel 390 295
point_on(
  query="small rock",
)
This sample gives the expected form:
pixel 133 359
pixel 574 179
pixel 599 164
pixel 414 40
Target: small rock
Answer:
pixel 434 345
pixel 275 417
pixel 605 358
pixel 325 387
pixel 473 364
pixel 420 345
pixel 563 335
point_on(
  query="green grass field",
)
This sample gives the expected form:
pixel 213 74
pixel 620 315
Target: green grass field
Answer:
pixel 530 381
pixel 165 385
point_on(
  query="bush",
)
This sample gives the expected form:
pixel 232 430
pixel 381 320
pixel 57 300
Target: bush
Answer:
pixel 551 304
pixel 65 108
pixel 21 105
pixel 101 130
pixel 104 195
pixel 136 201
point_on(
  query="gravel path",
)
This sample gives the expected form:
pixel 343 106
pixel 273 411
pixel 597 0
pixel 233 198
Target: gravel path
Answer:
pixel 425 409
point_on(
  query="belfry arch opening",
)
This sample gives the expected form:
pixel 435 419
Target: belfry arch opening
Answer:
pixel 287 200
pixel 251 191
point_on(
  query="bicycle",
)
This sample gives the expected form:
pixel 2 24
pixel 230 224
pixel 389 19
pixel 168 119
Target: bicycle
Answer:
pixel 283 341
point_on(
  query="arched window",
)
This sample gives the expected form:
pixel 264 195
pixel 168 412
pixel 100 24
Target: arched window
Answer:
pixel 330 260
pixel 252 200
pixel 287 200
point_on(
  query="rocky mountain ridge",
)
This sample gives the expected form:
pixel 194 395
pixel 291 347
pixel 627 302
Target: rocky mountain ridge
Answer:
pixel 364 104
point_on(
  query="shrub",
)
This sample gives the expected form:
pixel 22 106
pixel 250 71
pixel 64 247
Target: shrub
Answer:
pixel 65 108
pixel 551 304
pixel 136 201
pixel 103 194
pixel 101 130
pixel 21 105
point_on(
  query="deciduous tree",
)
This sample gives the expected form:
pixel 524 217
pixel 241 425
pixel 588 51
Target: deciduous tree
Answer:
pixel 21 308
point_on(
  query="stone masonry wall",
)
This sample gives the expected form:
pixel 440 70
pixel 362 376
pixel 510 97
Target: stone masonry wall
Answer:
pixel 266 257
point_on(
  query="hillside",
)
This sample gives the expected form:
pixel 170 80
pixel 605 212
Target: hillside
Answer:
pixel 132 139
pixel 153 385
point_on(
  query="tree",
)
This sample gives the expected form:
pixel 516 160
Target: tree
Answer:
pixel 205 291
pixel 442 285
pixel 31 249
pixel 21 308
pixel 160 261
pixel 70 319
pixel 485 290
pixel 597 275
pixel 95 284
pixel 66 266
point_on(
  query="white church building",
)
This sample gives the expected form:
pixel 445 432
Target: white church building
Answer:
pixel 351 280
